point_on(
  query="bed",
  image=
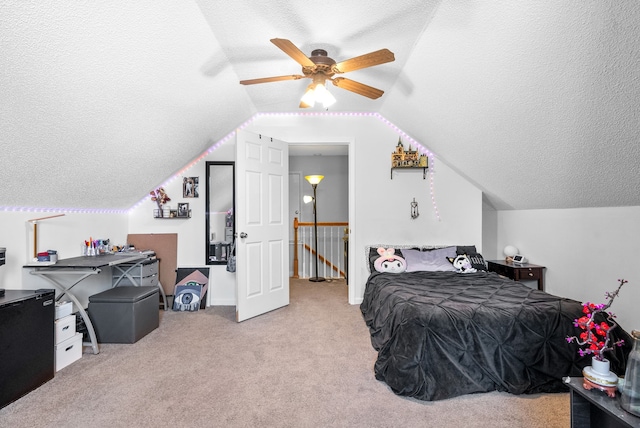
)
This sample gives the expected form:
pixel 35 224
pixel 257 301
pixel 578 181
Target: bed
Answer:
pixel 443 333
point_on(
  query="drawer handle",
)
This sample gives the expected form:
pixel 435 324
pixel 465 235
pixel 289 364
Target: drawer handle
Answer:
pixel 65 328
pixel 68 348
pixel 530 274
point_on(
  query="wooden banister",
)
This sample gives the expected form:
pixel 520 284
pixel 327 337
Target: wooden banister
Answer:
pixel 296 225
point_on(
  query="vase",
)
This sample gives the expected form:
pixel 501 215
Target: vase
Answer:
pixel 601 367
pixel 630 399
pixel 599 372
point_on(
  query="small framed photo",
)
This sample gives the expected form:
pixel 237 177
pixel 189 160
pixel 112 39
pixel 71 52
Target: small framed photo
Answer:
pixel 190 187
pixel 183 210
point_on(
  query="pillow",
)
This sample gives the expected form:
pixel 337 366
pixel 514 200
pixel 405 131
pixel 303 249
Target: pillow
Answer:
pixel 371 252
pixel 389 262
pixel 476 259
pixel 373 256
pixel 462 264
pixel 430 260
pixel 466 249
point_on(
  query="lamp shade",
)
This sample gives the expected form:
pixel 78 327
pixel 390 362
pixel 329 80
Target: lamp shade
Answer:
pixel 314 179
pixel 308 99
pixel 317 92
pixel 306 199
pixel 510 251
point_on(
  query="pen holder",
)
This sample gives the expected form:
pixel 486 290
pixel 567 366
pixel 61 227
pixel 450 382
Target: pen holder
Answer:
pixel 88 250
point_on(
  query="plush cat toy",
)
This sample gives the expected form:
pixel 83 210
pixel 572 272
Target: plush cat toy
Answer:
pixel 462 264
pixel 389 262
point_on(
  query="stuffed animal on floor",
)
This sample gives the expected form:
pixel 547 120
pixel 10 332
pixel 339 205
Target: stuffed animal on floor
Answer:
pixel 462 264
pixel 389 262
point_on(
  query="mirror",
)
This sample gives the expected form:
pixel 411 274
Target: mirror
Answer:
pixel 220 206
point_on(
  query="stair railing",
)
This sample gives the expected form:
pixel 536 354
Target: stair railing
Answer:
pixel 332 249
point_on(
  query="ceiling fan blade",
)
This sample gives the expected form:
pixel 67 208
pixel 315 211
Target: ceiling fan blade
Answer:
pixel 358 88
pixel 272 79
pixel 368 60
pixel 292 50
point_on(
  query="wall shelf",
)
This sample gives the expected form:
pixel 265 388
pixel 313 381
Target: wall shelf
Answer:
pixel 413 168
pixel 169 214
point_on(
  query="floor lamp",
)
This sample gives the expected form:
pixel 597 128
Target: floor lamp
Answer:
pixel 314 180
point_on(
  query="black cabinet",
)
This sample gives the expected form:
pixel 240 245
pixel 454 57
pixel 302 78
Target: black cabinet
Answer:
pixel 26 342
pixel 593 408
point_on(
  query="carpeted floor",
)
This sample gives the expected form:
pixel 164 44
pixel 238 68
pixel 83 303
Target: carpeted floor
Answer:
pixel 309 364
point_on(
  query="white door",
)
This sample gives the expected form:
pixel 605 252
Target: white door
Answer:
pixel 261 223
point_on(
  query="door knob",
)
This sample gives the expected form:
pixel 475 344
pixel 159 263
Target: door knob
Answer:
pixel 243 235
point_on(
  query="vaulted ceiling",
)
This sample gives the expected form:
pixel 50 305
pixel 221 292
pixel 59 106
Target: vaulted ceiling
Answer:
pixel 536 102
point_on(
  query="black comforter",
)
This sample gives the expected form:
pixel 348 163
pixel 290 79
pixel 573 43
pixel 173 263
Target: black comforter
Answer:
pixel 444 334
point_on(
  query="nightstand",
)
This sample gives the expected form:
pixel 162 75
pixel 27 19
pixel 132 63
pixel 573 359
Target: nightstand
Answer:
pixel 595 409
pixel 518 271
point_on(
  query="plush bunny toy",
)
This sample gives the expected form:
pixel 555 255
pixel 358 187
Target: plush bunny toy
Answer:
pixel 462 264
pixel 389 262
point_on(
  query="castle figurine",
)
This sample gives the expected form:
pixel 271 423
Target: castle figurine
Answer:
pixel 402 158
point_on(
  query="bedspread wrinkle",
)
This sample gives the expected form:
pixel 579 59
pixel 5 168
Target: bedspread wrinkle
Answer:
pixel 444 334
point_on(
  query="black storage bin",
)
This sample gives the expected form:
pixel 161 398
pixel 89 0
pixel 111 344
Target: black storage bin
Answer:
pixel 124 314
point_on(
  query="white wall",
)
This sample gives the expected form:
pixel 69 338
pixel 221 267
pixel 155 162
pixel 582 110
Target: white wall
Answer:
pixel 585 251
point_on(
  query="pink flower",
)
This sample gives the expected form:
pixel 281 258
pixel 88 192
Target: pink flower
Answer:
pixel 591 329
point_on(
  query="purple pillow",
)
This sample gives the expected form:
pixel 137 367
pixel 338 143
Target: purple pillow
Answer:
pixel 430 260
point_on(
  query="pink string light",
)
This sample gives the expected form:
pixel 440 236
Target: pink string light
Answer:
pixel 406 137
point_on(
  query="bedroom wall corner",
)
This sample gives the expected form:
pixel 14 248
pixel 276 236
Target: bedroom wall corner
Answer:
pixel 490 249
pixel 585 251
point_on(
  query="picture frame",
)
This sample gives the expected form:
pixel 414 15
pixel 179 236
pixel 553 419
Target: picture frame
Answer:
pixel 183 209
pixel 190 187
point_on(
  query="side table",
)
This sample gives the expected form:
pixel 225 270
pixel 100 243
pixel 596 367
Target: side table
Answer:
pixel 518 271
pixel 593 408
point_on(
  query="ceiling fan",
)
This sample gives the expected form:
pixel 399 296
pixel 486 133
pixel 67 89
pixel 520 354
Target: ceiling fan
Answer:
pixel 320 68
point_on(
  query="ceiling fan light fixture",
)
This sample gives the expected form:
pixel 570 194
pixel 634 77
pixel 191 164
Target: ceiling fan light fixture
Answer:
pixel 308 99
pixel 317 93
pixel 321 68
pixel 322 95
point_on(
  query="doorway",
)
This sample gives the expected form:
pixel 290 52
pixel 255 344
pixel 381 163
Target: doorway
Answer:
pixel 333 194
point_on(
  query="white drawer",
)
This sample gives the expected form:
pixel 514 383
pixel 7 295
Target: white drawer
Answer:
pixel 65 328
pixel 68 351
pixel 63 309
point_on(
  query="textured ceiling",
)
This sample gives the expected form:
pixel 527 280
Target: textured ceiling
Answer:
pixel 536 102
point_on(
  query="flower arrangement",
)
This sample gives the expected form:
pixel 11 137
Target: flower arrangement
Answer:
pixel 595 336
pixel 160 197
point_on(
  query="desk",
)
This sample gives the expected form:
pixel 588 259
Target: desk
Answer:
pixel 81 268
pixel 593 408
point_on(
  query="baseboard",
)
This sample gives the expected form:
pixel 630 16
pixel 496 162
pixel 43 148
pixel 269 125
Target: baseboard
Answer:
pixel 223 302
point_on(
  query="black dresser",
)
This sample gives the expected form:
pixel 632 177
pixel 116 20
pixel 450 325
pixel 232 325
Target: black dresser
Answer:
pixel 26 342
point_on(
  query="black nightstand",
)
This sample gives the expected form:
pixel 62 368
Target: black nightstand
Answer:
pixel 595 409
pixel 518 271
